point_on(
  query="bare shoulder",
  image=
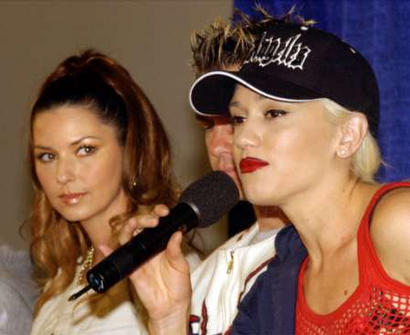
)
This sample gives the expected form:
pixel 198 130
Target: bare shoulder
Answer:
pixel 390 231
pixel 394 207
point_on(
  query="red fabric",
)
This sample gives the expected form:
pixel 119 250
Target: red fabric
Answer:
pixel 379 305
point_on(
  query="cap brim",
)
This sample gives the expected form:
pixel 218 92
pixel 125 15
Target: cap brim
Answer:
pixel 211 93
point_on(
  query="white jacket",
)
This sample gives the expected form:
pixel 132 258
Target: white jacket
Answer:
pixel 223 279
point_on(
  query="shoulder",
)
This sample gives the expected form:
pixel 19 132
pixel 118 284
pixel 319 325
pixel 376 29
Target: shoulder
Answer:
pixel 14 310
pixel 9 295
pixel 390 232
pixel 15 275
pixel 392 212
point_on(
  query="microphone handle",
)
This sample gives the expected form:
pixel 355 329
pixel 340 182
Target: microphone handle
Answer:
pixel 140 248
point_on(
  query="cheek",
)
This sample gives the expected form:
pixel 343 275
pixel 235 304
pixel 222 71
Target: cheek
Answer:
pixel 300 142
pixel 208 144
pixel 306 150
pixel 213 148
pixel 289 144
pixel 208 138
pixel 213 162
pixel 106 172
pixel 45 177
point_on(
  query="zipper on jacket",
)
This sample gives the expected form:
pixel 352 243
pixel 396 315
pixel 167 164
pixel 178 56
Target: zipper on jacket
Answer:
pixel 230 264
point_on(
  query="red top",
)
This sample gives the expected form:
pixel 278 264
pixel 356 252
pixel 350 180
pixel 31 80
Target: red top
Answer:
pixel 379 304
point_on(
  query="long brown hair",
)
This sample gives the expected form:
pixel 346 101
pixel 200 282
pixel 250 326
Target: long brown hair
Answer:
pixel 94 80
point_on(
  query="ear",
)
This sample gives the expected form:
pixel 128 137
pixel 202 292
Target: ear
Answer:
pixel 353 131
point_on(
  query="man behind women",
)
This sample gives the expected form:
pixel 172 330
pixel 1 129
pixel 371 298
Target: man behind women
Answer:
pixel 222 280
pixel 99 155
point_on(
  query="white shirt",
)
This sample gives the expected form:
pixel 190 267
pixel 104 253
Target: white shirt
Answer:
pixel 224 278
pixel 112 313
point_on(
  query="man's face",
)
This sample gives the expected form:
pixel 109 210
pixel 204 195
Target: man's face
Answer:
pixel 218 140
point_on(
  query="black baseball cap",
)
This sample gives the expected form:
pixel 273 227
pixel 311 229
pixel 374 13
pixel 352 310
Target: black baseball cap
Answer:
pixel 295 63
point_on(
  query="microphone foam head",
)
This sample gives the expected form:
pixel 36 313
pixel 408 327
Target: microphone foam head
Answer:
pixel 211 197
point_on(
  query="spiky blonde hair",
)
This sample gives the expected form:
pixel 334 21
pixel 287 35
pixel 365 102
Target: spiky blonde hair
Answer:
pixel 223 45
pixel 219 45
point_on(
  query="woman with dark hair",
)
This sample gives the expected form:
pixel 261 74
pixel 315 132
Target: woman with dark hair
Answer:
pixel 99 156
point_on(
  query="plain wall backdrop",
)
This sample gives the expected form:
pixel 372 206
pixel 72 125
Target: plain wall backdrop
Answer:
pixel 149 38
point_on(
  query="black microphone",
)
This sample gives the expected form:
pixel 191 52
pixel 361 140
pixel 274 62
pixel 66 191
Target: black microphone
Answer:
pixel 203 203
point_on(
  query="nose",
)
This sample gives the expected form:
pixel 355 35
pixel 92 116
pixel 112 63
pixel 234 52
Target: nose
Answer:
pixel 65 171
pixel 220 140
pixel 247 135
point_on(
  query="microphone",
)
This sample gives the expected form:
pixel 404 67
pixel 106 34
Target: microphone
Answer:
pixel 201 204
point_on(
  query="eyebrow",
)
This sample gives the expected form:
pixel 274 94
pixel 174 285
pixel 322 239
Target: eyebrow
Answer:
pixel 234 103
pixel 76 142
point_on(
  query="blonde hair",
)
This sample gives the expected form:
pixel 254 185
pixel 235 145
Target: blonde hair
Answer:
pixel 218 46
pixel 223 45
pixel 367 159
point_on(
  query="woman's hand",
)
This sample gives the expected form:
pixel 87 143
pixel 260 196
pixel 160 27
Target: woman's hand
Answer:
pixel 163 282
pixel 139 222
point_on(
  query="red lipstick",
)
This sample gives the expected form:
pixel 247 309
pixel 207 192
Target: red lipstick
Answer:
pixel 250 164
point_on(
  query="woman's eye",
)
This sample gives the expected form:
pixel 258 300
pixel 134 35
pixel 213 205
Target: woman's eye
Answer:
pixel 45 157
pixel 86 150
pixel 236 120
pixel 274 113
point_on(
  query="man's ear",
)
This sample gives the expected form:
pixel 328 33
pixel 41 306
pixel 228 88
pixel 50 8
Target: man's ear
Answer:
pixel 353 130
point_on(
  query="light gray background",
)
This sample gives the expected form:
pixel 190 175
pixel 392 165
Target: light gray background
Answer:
pixel 150 38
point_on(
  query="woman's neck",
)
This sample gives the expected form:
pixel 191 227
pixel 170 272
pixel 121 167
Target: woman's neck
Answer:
pixel 328 217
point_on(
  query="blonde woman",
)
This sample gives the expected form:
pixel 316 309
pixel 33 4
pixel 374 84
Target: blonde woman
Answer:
pixel 305 110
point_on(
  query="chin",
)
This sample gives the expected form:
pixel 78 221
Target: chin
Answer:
pixel 260 202
pixel 73 217
pixel 73 214
pixel 255 197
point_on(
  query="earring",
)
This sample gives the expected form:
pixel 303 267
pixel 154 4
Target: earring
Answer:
pixel 342 153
